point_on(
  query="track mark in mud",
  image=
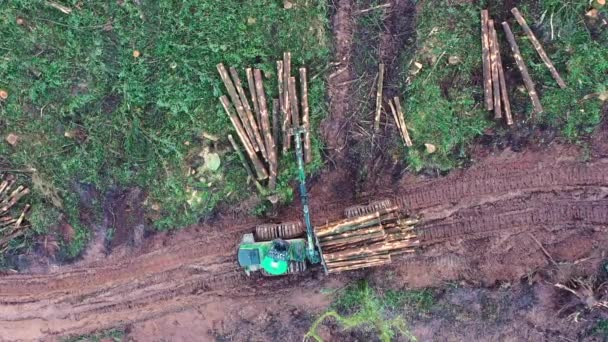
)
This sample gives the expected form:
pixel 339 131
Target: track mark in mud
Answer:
pixel 484 239
pixel 334 127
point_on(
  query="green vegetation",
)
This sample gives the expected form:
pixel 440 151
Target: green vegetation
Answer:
pixel 88 110
pixel 580 53
pixel 441 103
pixel 601 328
pixel 115 335
pixel 444 100
pixel 362 307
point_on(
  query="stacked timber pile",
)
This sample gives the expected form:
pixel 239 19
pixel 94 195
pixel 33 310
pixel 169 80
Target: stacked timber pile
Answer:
pixel 11 220
pixel 262 126
pixel 365 241
pixel 495 88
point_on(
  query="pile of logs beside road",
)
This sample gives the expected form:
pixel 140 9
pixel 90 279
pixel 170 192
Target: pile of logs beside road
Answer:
pixel 261 126
pixel 495 88
pixel 367 240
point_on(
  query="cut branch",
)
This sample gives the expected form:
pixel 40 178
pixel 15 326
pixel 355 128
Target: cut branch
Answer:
pixel 523 69
pixel 538 47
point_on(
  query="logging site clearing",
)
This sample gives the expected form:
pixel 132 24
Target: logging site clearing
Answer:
pixel 304 170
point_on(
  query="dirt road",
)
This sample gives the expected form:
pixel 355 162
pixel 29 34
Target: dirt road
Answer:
pixel 483 225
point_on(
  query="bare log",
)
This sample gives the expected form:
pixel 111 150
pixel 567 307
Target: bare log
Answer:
pixel 379 88
pixel 305 115
pixel 14 198
pixel 365 231
pixel 254 96
pixel 61 8
pixel 348 243
pixel 272 160
pixel 257 138
pixel 240 131
pixel 360 263
pixel 396 119
pixel 538 47
pixel 401 117
pixel 485 52
pixel 245 164
pixel 240 110
pixel 355 239
pixel 276 109
pixel 506 104
pixel 356 267
pixel 523 69
pixel 286 106
pixel 293 102
pixel 334 228
pixel 494 68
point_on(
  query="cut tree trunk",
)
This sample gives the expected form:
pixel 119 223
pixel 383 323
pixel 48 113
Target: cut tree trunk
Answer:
pixel 305 115
pixel 293 102
pixel 485 51
pixel 494 69
pixel 538 47
pixel 276 109
pixel 286 106
pixel 401 117
pixel 245 164
pixel 506 104
pixel 240 110
pixel 266 131
pixel 254 96
pixel 240 131
pixel 523 69
pixel 380 86
pixel 257 138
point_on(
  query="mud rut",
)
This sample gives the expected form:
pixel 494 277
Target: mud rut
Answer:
pixel 477 226
pixel 481 225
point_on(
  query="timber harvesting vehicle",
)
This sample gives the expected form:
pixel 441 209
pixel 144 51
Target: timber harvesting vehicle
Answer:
pixel 367 237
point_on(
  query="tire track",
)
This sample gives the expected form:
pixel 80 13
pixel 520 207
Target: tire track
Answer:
pixel 465 243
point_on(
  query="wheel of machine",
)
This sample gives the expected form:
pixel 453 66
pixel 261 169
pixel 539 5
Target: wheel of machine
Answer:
pixel 360 210
pixel 297 267
pixel 270 231
pixel 294 267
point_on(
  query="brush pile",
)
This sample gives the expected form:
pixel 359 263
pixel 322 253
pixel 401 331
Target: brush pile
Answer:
pixel 366 240
pixel 259 128
pixel 12 214
pixel 495 88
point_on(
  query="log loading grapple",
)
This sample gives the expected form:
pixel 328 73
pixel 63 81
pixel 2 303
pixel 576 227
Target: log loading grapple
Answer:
pixel 368 236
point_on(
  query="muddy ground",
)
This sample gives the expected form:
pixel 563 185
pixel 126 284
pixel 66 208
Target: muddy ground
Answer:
pixel 495 239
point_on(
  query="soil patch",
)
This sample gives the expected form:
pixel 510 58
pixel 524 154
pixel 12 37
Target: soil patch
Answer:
pixel 124 215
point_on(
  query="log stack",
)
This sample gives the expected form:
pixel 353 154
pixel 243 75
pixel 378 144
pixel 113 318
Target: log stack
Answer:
pixel 12 216
pixel 366 241
pixel 495 87
pixel 257 125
